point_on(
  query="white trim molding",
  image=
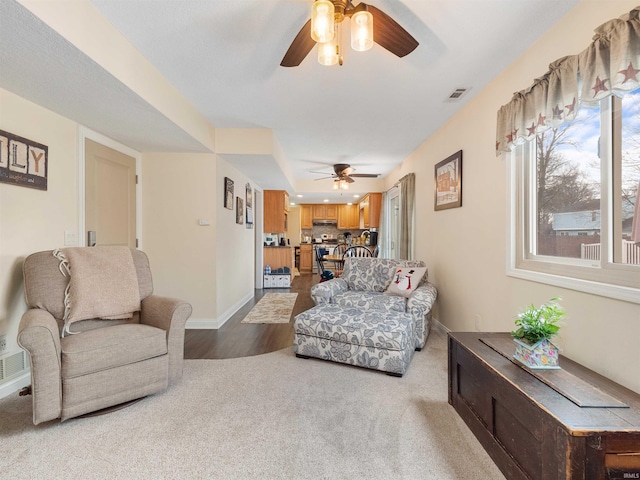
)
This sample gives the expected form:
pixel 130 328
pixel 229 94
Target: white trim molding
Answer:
pixel 215 323
pixel 15 385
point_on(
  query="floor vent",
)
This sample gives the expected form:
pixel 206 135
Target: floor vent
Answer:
pixel 457 94
pixel 13 365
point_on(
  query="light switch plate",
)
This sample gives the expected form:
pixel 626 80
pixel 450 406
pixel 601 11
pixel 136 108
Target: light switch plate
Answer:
pixel 70 238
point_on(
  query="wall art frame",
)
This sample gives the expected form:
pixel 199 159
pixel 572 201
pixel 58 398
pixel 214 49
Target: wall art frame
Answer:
pixel 249 195
pixel 228 193
pixel 239 210
pixel 23 162
pixel 448 182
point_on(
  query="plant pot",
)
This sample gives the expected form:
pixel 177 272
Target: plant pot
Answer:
pixel 542 355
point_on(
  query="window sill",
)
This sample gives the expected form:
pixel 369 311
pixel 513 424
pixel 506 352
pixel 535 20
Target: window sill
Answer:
pixel 616 292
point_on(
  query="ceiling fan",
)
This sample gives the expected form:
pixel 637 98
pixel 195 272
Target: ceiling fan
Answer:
pixel 368 24
pixel 343 175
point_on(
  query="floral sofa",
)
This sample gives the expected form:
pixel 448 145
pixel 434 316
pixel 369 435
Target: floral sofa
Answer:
pixel 356 323
pixel 362 285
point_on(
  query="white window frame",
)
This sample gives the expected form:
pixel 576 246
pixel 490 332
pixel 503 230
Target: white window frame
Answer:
pixel 604 277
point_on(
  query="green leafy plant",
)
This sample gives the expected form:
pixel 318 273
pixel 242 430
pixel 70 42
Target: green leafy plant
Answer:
pixel 536 324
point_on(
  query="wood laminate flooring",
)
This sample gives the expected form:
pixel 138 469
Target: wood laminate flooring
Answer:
pixel 235 339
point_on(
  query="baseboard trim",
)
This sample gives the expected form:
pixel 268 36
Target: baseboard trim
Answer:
pixel 439 327
pixel 215 323
pixel 15 385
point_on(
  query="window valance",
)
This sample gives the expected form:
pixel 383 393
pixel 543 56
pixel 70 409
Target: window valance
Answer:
pixel 610 65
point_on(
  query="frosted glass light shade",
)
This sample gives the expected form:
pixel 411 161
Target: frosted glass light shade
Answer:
pixel 322 21
pixel 361 31
pixel 328 52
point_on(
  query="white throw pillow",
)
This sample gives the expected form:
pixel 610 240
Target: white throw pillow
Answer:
pixel 405 281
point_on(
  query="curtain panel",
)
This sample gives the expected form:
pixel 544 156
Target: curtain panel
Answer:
pixel 407 206
pixel 610 65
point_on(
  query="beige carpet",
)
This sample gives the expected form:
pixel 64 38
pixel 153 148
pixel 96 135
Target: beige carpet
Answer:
pixel 270 416
pixel 272 308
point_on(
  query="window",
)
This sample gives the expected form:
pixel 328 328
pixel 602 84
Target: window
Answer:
pixel 575 189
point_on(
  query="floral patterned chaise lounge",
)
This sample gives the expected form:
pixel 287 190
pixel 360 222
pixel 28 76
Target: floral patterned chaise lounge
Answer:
pixel 356 322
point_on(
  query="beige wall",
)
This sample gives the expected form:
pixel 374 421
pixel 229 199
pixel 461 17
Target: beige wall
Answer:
pixel 33 220
pixel 178 190
pixel 235 247
pixel 466 248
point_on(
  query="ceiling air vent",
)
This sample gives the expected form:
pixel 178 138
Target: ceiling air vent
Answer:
pixel 457 94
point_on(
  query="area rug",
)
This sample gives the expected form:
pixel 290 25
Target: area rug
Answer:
pixel 272 308
pixel 266 417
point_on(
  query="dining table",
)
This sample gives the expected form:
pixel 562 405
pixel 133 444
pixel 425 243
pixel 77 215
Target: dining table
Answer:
pixel 338 261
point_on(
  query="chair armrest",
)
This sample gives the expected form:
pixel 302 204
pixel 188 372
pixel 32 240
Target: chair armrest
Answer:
pixel 168 314
pixel 323 292
pixel 39 335
pixel 422 299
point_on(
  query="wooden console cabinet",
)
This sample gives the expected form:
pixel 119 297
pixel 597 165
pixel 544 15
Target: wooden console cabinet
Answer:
pixel 533 432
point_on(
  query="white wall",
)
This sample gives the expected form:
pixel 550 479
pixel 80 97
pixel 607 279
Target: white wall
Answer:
pixel 465 248
pixel 34 220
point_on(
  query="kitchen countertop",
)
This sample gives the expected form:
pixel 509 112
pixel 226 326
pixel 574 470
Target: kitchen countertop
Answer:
pixel 277 246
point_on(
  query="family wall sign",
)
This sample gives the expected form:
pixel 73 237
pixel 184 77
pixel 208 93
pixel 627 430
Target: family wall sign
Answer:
pixel 23 162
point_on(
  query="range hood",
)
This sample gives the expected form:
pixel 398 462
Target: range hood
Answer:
pixel 325 222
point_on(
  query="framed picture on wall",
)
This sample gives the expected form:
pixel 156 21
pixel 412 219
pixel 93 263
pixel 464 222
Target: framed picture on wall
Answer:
pixel 448 182
pixel 239 210
pixel 228 193
pixel 249 192
pixel 23 162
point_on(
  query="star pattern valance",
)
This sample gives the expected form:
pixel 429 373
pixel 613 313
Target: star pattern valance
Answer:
pixel 610 65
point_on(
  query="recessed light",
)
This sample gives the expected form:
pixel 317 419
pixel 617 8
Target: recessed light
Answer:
pixel 299 196
pixel 356 196
pixel 326 200
pixel 292 204
pixel 349 203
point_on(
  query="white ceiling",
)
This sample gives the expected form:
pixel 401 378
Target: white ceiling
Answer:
pixel 224 56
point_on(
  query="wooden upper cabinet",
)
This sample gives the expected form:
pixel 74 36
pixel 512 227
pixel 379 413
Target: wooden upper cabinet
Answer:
pixel 306 217
pixel 370 207
pixel 348 217
pixel 331 212
pixel 276 204
pixel 319 212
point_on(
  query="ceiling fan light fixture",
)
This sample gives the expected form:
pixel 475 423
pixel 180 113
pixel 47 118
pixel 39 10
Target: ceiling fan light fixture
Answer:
pixel 329 52
pixel 322 21
pixel 361 31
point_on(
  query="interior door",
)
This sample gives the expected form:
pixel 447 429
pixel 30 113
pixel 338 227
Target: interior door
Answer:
pixel 110 196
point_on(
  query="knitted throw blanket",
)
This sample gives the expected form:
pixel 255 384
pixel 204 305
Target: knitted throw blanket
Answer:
pixel 103 284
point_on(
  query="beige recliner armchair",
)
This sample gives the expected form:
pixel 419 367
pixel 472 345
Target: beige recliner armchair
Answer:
pixel 105 362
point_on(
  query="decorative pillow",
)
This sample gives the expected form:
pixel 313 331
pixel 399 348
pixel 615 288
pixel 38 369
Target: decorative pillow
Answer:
pixel 405 281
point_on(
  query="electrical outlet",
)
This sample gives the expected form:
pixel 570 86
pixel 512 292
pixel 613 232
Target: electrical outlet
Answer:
pixel 3 343
pixel 478 322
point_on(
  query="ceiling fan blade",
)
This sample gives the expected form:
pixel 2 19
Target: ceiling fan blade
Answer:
pixel 347 179
pixel 300 47
pixel 389 35
pixel 365 175
pixel 324 178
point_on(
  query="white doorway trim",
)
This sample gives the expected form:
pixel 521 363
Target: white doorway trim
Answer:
pixel 85 133
pixel 258 224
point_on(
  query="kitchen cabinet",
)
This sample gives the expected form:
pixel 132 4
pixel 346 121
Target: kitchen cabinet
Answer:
pixel 306 217
pixel 276 207
pixel 306 258
pixel 370 207
pixel 325 212
pixel 348 218
pixel 278 257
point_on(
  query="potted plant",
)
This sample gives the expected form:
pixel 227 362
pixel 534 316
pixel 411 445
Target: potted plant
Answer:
pixel 536 328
